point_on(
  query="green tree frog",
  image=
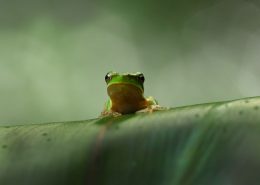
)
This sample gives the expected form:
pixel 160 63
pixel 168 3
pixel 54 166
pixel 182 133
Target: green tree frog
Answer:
pixel 126 92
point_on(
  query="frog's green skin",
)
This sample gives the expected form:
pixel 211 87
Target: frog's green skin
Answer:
pixel 126 92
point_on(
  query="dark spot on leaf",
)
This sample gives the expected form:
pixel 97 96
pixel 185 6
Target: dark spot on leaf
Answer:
pixel 246 101
pixel 197 115
pixel 4 146
pixel 240 112
pixel 134 164
pixel 49 139
pixel 256 107
pixel 44 134
pixel 7 126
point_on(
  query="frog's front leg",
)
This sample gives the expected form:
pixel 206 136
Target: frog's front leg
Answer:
pixel 107 110
pixel 152 105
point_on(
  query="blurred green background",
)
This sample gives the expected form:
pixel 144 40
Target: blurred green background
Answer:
pixel 54 54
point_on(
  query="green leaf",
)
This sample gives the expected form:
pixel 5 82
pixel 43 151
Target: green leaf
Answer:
pixel 208 144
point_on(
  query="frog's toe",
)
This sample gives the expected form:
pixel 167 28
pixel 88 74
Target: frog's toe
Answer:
pixel 152 108
pixel 115 114
pixel 110 113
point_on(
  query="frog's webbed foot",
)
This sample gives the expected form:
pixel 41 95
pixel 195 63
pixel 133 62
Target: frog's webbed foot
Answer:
pixel 110 113
pixel 152 108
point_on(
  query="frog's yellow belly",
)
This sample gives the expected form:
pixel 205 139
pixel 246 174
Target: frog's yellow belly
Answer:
pixel 126 98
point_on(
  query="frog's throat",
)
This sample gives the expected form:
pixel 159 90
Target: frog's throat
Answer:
pixel 131 85
pixel 126 98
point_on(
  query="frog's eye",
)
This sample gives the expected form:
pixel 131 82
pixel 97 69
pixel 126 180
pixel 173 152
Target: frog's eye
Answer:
pixel 141 78
pixel 108 77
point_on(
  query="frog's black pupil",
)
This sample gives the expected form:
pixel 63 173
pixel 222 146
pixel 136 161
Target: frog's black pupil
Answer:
pixel 141 77
pixel 107 77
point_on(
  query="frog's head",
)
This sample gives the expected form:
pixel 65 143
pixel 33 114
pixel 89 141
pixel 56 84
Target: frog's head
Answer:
pixel 131 79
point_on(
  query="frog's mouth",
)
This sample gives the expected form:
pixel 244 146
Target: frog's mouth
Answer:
pixel 126 98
